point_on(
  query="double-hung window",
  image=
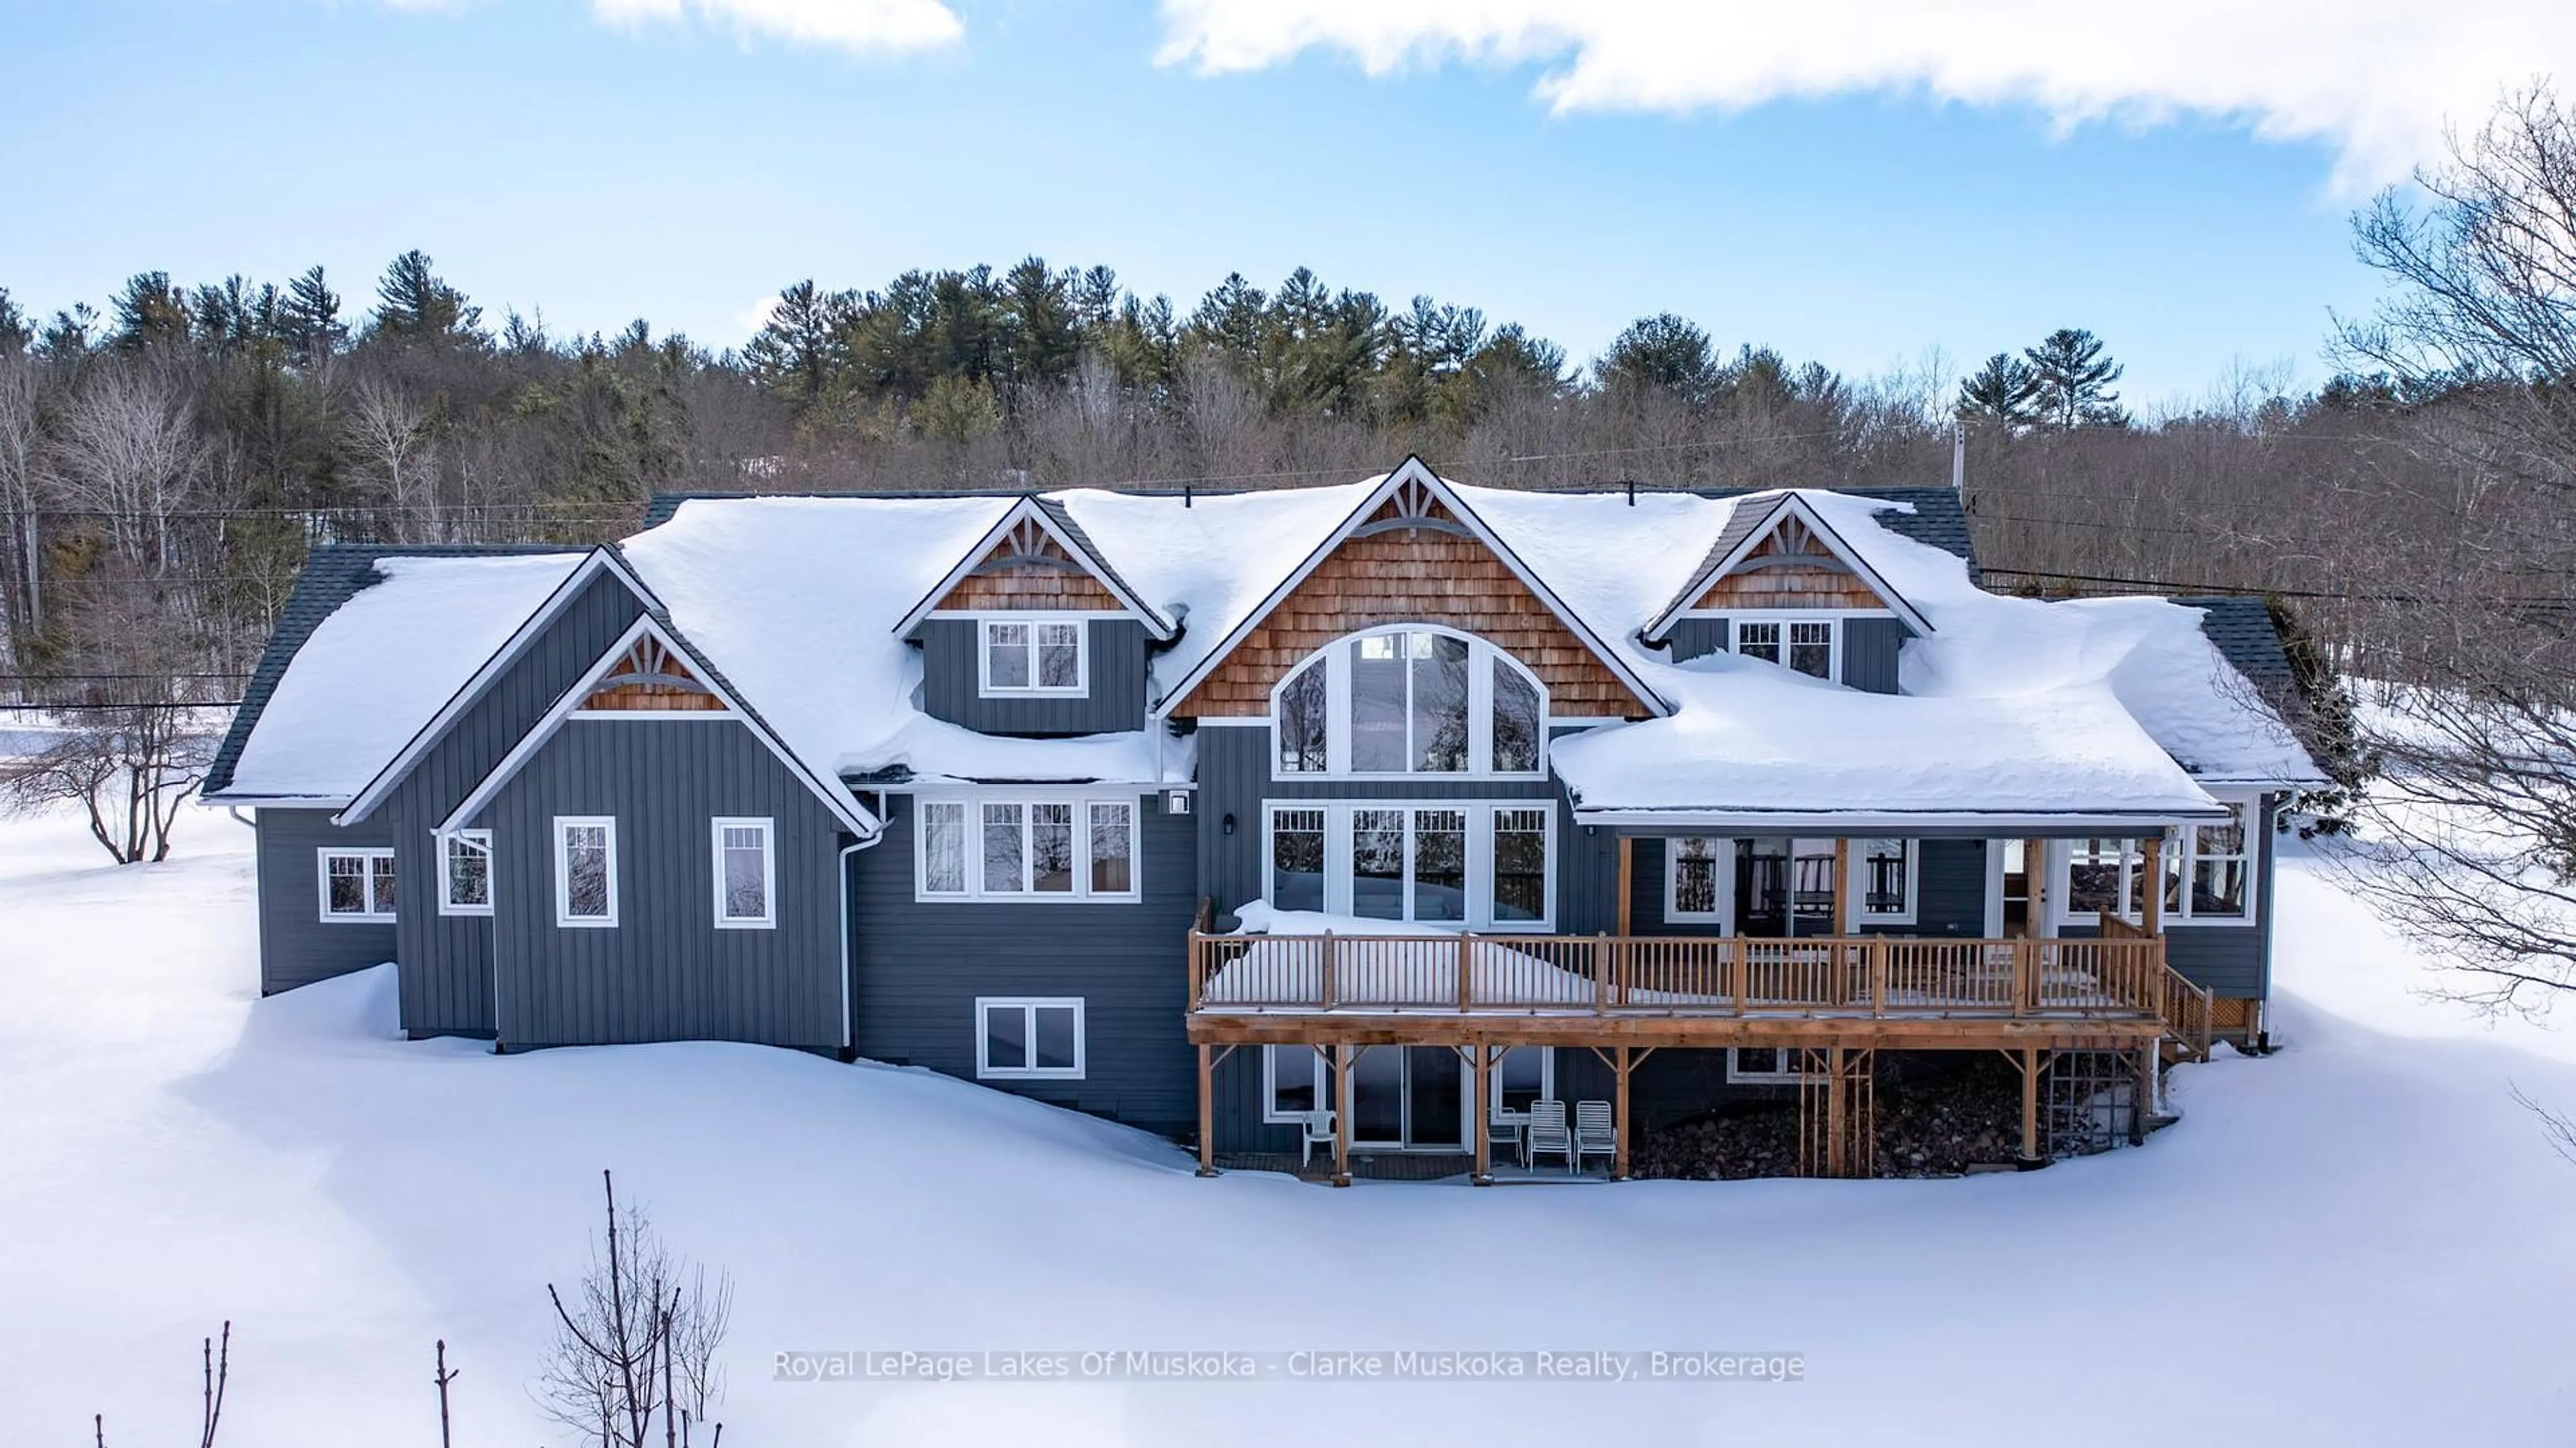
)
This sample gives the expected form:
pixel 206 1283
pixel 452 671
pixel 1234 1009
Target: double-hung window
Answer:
pixel 1694 887
pixel 1807 645
pixel 465 873
pixel 1884 875
pixel 2221 869
pixel 1016 848
pixel 357 886
pixel 1480 865
pixel 585 870
pixel 746 875
pixel 1028 1038
pixel 1034 655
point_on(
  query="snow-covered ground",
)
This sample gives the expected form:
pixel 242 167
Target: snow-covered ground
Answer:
pixel 2362 1239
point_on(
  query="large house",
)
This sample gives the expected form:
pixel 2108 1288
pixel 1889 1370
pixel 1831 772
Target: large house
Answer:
pixel 1212 813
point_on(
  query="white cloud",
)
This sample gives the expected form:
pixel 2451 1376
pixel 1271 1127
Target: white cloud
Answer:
pixel 2377 80
pixel 859 25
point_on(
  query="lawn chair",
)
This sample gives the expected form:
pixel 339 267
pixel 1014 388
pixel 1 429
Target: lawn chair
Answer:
pixel 1594 1133
pixel 1315 1129
pixel 1547 1133
pixel 1503 1135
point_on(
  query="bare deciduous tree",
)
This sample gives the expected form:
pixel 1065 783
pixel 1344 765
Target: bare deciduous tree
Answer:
pixel 397 437
pixel 635 1351
pixel 127 450
pixel 136 748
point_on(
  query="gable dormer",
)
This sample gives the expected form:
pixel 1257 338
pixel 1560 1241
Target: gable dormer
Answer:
pixel 1781 585
pixel 1034 633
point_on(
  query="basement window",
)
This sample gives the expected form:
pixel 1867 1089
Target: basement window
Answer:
pixel 1028 1039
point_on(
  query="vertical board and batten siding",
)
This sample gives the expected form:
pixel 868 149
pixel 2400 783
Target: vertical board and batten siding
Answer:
pixel 446 975
pixel 664 972
pixel 1114 701
pixel 1870 648
pixel 1950 885
pixel 296 945
pixel 919 965
pixel 1235 783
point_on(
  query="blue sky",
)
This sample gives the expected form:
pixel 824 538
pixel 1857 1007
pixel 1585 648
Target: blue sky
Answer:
pixel 682 159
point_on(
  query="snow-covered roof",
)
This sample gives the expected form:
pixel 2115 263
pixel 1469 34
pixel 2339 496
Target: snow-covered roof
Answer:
pixel 2113 707
pixel 384 660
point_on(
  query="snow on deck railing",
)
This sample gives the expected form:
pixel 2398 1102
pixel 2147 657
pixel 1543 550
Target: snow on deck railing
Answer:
pixel 1667 975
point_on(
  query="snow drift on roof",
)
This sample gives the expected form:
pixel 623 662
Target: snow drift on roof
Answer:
pixel 796 599
pixel 385 661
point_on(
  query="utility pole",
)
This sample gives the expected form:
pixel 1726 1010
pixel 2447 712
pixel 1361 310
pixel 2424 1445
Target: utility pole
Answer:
pixel 1959 458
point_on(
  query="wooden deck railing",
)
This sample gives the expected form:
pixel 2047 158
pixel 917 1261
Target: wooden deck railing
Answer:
pixel 1863 976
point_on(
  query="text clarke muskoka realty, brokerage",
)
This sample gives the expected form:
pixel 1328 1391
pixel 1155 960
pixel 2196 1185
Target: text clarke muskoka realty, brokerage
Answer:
pixel 1303 1365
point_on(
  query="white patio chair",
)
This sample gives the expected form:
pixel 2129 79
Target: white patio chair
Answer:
pixel 1315 1129
pixel 1546 1133
pixel 1594 1132
pixel 1503 1134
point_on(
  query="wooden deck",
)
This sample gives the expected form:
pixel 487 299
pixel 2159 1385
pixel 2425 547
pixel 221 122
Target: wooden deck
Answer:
pixel 1862 991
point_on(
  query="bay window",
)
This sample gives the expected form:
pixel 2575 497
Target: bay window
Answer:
pixel 1476 865
pixel 1409 701
pixel 1025 848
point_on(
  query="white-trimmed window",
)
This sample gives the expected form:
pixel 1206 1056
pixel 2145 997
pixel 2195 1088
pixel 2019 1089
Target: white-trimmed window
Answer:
pixel 1763 1065
pixel 1292 1083
pixel 1810 646
pixel 465 873
pixel 746 874
pixel 1698 874
pixel 585 870
pixel 1026 848
pixel 1409 700
pixel 1886 876
pixel 1028 1038
pixel 2208 869
pixel 357 886
pixel 1481 865
pixel 1035 654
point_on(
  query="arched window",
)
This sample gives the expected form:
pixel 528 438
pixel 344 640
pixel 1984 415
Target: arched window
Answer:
pixel 1409 700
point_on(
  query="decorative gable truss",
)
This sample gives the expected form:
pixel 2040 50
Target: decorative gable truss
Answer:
pixel 1413 552
pixel 1784 557
pixel 650 679
pixel 1034 560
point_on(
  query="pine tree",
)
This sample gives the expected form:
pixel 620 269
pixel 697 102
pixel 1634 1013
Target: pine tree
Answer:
pixel 150 312
pixel 797 354
pixel 308 320
pixel 2075 381
pixel 2003 393
pixel 1661 353
pixel 14 331
pixel 415 305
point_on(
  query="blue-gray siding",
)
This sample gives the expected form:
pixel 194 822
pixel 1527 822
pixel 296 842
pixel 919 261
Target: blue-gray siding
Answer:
pixel 951 683
pixel 664 972
pixel 2233 960
pixel 1693 638
pixel 296 945
pixel 447 959
pixel 920 965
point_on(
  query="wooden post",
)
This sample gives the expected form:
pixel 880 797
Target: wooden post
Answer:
pixel 1601 975
pixel 1627 879
pixel 2151 910
pixel 1619 1158
pixel 1325 995
pixel 1878 975
pixel 1837 1110
pixel 2034 876
pixel 1466 968
pixel 1477 1118
pixel 1342 1114
pixel 2146 1097
pixel 1842 887
pixel 2030 1152
pixel 1207 1111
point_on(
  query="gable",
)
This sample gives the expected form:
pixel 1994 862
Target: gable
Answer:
pixel 1029 569
pixel 1791 567
pixel 1418 567
pixel 650 679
